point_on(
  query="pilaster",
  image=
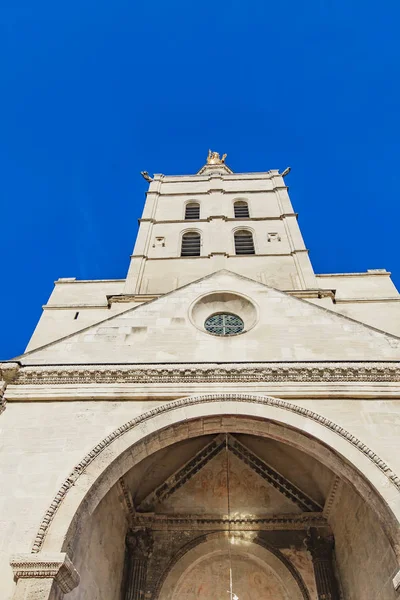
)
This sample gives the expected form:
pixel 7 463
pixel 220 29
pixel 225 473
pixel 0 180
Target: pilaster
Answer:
pixel 139 546
pixel 321 550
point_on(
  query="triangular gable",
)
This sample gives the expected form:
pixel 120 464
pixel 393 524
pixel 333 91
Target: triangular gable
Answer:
pixel 206 492
pixel 162 331
pixel 201 484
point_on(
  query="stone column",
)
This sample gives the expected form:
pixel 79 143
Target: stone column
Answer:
pixel 43 576
pixel 139 546
pixel 321 550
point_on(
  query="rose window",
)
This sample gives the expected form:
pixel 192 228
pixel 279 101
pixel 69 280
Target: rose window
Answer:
pixel 224 324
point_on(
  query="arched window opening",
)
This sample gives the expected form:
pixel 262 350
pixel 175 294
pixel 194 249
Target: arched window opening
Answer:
pixel 192 211
pixel 190 244
pixel 241 209
pixel 244 243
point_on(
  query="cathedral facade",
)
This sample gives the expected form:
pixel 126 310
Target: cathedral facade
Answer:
pixel 223 423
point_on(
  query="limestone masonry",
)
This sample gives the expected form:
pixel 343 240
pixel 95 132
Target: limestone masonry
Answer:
pixel 223 422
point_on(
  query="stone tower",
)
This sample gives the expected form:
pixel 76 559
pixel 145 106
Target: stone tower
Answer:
pixel 224 420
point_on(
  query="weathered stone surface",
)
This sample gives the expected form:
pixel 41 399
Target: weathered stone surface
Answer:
pixel 97 422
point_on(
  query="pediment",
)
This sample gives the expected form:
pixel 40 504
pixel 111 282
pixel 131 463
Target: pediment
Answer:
pixel 226 478
pixel 281 328
pixel 206 492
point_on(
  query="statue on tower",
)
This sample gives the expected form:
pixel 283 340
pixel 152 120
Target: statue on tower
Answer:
pixel 214 159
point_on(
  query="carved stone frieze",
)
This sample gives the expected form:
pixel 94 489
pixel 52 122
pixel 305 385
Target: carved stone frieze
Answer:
pixel 285 522
pixel 8 372
pixel 210 373
pixel 46 566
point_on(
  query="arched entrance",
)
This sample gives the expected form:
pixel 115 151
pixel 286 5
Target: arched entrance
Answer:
pixel 84 516
pixel 203 572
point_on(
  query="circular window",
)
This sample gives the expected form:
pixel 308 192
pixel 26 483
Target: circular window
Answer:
pixel 224 324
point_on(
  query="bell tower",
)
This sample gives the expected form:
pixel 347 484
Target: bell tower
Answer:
pixel 194 225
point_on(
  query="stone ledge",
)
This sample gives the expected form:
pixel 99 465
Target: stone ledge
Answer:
pixel 55 566
pixel 209 373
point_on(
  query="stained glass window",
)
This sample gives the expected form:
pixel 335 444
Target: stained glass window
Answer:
pixel 224 324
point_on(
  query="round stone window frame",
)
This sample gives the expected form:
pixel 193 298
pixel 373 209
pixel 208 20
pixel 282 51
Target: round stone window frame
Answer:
pixel 224 302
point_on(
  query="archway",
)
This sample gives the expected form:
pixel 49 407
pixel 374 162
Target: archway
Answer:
pixel 354 464
pixel 259 572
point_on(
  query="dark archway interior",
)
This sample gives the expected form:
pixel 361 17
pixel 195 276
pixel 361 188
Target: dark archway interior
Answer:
pixel 232 512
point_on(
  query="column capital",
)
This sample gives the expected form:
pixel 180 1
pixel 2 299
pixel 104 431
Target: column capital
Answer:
pixel 56 566
pixel 140 543
pixel 320 547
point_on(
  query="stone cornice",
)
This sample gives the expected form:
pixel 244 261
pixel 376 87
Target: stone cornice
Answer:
pixel 224 217
pixel 320 372
pixel 8 372
pixel 46 566
pixel 286 522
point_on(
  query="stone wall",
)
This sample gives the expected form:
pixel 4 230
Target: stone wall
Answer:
pixel 100 552
pixel 366 563
pixel 43 441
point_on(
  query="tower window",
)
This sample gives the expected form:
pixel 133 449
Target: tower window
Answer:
pixel 190 244
pixel 241 209
pixel 192 211
pixel 244 243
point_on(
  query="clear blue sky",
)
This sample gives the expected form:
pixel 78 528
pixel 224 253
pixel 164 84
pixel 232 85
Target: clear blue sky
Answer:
pixel 93 92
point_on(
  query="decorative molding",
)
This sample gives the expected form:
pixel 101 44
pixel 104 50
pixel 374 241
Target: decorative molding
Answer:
pixel 368 273
pixel 46 566
pixel 286 522
pixel 122 298
pixel 8 372
pixel 306 294
pixel 127 500
pixel 140 543
pixel 3 386
pixel 273 477
pixel 256 464
pixel 80 468
pixel 314 372
pixel 365 300
pixel 333 496
pixel 184 474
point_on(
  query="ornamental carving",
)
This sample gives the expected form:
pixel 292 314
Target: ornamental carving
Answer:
pixel 140 543
pixel 44 566
pixel 210 373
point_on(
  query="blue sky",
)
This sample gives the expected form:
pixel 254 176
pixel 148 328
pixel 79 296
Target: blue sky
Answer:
pixel 93 92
